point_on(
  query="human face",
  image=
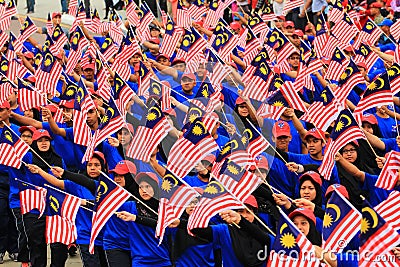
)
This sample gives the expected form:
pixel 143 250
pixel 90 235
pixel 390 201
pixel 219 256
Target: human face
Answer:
pixel 294 60
pixel 246 214
pixel 243 110
pixel 93 167
pixel 201 70
pixel 43 144
pixel 124 137
pixel 154 32
pixel 192 204
pixel 289 29
pixel 288 113
pixel 28 113
pixel 282 142
pixel 302 223
pixel 180 67
pixel 296 40
pixel 187 85
pixel 145 190
pixel 12 99
pixel 308 191
pixel 349 153
pixel 56 20
pixel 164 61
pixel 368 127
pixel 91 118
pixel 89 74
pixel 154 51
pixel 314 146
pixel 136 58
pixel 119 179
pixel 26 136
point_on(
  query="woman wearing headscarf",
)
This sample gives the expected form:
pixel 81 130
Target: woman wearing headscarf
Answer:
pixel 84 217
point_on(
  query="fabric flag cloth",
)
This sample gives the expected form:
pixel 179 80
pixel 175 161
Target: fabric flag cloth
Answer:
pixel 48 74
pixel 389 174
pixel 389 210
pixel 73 7
pixel 291 247
pixel 27 29
pixel 190 148
pixel 61 213
pixel 237 180
pixel 170 39
pixel 28 97
pixel 377 236
pixel 287 96
pixel 122 93
pixel 215 198
pixel 370 33
pixel 256 141
pixel 345 130
pixel 337 65
pixel 162 92
pixel 32 197
pixel 217 68
pixel 83 103
pixel 350 78
pixel 12 148
pixel 366 55
pixel 102 76
pixel 78 43
pixel 341 222
pixel 109 197
pixel 153 128
pixel 110 123
pixel 131 14
pixel 59 38
pixel 394 78
pixel 108 48
pixel 175 196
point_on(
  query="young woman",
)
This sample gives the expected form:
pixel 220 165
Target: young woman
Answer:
pixel 305 220
pixel 84 217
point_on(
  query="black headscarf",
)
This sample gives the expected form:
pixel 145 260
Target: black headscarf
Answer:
pixel 152 202
pixel 318 197
pixel 50 156
pixel 313 235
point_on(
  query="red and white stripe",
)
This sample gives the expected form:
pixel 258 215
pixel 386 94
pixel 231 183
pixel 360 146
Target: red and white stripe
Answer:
pixel 169 43
pixel 292 97
pixel 29 99
pixel 389 210
pixel 268 111
pixel 46 82
pixel 291 4
pixel 73 7
pixel 389 175
pixel 33 199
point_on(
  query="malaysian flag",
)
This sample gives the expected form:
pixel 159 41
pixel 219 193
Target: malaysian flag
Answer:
pixel 153 128
pixel 291 4
pixel 110 123
pixel 197 45
pixel 175 196
pixel 83 103
pixel 237 180
pixel 3 38
pixel 321 37
pixel 78 43
pixel 341 222
pixel 257 25
pixel 73 7
pixel 102 76
pixel 268 13
pixel 47 46
pixel 278 41
pixel 27 29
pixel 323 110
pixel 31 197
pixel 59 38
pixel 182 17
pixel 197 9
pixel 29 97
pixel 194 112
pixel 13 149
pixel 345 30
pixel 215 198
pixel 394 78
pixel 370 33
pixel 80 16
pixel 162 92
pixel 206 98
pixel 109 197
pixel 61 212
pixel 261 77
pixel 146 17
pixel 170 39
pixel 336 13
pixel 269 111
pixel 348 80
pixel 378 93
pixel 250 45
pixel 144 80
pixel 129 46
pixel 122 93
pixel 48 74
pixel 190 148
pixel 390 172
pixel 256 141
pixel 131 14
pixel 96 22
pixel 395 30
pixel 291 247
pixel 108 48
pixel 344 131
pixel 6 13
pixel 337 65
pixel 217 68
pixel 389 210
pixel 377 236
pixel 212 14
pixel 6 88
pixel 365 55
pixel 288 91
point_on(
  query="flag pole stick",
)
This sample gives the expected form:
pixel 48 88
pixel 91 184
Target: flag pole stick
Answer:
pixel 395 119
pixel 136 198
pixel 249 210
pixel 45 162
pixel 61 191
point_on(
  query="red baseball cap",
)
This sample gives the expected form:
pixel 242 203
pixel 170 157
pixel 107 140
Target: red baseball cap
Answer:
pixel 349 48
pixel 281 128
pixel 342 190
pixel 251 201
pixel 27 128
pixel 309 27
pixel 189 75
pixel 362 65
pixel 55 14
pixel 376 5
pixel 123 167
pixel 235 25
pixel 129 127
pixel 40 133
pixel 262 163
pixel 239 101
pixel 210 158
pixel 162 56
pixel 288 23
pixel 313 175
pixel 177 61
pixel 89 66
pixel 154 40
pixel 150 175
pixel 99 155
pixel 314 132
pixel 298 33
pixel 52 108
pixel 31 79
pixel 281 18
pixel 170 112
pixel 5 104
pixel 29 54
pixel 370 118
pixel 68 104
pixel 304 212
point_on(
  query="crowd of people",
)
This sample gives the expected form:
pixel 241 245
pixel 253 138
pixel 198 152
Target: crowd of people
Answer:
pixel 289 168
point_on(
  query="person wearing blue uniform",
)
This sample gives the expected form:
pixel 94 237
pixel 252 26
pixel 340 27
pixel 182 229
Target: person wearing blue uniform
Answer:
pixel 71 183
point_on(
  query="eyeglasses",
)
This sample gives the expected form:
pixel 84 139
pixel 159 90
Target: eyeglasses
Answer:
pixel 351 150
